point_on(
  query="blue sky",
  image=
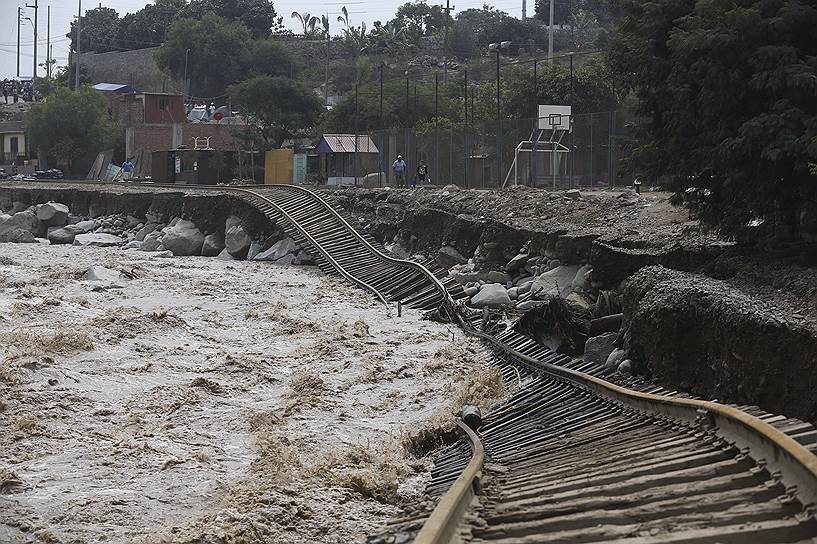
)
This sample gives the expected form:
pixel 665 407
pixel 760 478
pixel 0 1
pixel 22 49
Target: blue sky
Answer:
pixel 64 11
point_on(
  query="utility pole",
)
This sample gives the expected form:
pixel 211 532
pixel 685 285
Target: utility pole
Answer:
pixel 381 96
pixel 465 131
pixel 524 10
pixel 48 46
pixel 76 62
pixel 19 19
pixel 550 34
pixel 448 7
pixel 36 9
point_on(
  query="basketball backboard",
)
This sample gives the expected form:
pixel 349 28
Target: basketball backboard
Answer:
pixel 555 118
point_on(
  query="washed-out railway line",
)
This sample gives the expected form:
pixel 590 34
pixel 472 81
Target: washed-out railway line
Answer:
pixel 572 457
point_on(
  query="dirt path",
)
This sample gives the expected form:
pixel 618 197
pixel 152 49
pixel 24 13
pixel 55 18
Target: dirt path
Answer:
pixel 198 400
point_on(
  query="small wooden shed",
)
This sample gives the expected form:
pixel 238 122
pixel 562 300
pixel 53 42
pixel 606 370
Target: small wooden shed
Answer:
pixel 347 158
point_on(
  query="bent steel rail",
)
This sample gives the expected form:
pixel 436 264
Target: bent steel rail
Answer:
pixel 442 525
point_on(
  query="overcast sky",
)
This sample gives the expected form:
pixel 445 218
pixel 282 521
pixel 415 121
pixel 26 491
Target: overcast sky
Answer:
pixel 64 11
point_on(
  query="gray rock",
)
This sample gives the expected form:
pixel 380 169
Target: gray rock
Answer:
pixel 530 305
pixel 495 276
pixel 213 244
pixel 86 226
pixel 574 194
pixel 582 281
pixel 513 293
pixel 3 218
pixel 286 259
pixel 255 249
pixel 133 244
pixel 278 250
pixel 165 254
pixel 225 256
pixel 471 291
pixel 17 235
pixel 399 251
pixel 53 214
pixel 626 367
pixel 25 220
pixel 449 256
pixel 525 286
pixel 152 241
pixel 466 277
pixel 100 273
pixel 184 239
pixel 517 262
pixel 142 233
pixel 598 348
pixel 615 358
pixel 236 238
pixel 64 235
pixel 97 240
pixel 577 301
pixel 303 258
pixel 553 263
pixel 491 295
pixel 132 221
pixel 553 282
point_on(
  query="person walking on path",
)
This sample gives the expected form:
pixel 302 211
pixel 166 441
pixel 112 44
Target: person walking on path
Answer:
pixel 399 166
pixel 637 185
pixel 421 175
pixel 127 170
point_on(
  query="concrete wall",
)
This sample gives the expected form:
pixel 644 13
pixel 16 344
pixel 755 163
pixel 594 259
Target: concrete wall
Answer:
pixel 136 68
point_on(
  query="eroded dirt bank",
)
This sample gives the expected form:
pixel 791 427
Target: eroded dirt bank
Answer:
pixel 197 400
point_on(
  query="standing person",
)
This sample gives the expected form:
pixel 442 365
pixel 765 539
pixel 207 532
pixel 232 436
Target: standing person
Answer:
pixel 637 185
pixel 15 90
pixel 6 90
pixel 399 166
pixel 127 170
pixel 422 174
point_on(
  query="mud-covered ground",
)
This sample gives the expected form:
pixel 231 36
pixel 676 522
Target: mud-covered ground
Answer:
pixel 199 400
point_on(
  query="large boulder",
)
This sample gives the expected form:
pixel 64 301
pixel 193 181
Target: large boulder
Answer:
pixel 598 348
pixel 152 241
pixel 17 235
pixel 517 262
pixel 100 273
pixel 491 295
pixel 448 256
pixel 24 220
pixel 97 239
pixel 278 250
pixel 213 244
pixel 184 239
pixel 53 214
pixel 556 282
pixel 303 258
pixel 255 249
pixel 64 235
pixel 237 238
pixel 86 226
pixel 142 233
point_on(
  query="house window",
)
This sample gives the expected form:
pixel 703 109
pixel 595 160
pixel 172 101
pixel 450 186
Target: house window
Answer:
pixel 14 145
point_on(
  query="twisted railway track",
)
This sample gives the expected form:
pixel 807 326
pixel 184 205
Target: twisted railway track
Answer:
pixel 572 457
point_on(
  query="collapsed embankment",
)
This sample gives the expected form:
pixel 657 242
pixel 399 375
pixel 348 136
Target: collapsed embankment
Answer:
pixel 699 313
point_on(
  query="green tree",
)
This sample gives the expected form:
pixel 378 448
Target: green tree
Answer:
pixel 308 21
pixel 148 27
pixel 100 29
pixel 726 96
pixel 257 15
pixel 219 53
pixel 280 107
pixel 490 25
pixel 71 127
pixel 269 57
pixel 420 19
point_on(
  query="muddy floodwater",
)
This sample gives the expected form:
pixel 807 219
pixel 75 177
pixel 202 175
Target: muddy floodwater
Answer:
pixel 147 399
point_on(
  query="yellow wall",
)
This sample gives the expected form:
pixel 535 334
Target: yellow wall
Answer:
pixel 278 166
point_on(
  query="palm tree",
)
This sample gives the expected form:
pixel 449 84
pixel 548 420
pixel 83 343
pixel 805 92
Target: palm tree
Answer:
pixel 307 20
pixel 345 18
pixel 393 36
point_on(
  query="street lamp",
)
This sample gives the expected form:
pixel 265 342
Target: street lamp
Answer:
pixel 498 48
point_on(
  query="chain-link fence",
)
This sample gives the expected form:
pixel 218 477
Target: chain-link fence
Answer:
pixel 589 156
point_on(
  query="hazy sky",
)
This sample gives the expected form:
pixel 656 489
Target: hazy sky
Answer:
pixel 64 11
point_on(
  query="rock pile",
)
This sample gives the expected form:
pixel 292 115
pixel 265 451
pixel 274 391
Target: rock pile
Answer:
pixel 53 223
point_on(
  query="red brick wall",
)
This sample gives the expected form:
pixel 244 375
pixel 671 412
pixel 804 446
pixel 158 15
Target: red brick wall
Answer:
pixel 149 138
pixel 154 138
pixel 221 135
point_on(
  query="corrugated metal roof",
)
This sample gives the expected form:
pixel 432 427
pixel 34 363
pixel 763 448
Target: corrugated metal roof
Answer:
pixel 345 143
pixel 114 87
